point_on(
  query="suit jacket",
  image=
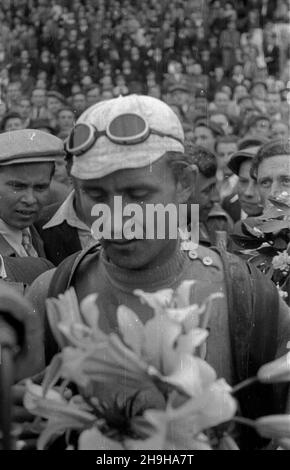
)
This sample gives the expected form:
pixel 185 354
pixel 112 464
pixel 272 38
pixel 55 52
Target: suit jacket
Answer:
pixel 7 250
pixel 21 272
pixel 60 241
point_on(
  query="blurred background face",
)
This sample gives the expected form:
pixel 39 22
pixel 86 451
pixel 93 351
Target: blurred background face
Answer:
pixel 53 105
pixel 273 176
pixel 25 108
pixel 13 124
pixel 222 121
pixel 219 73
pixel 273 103
pixel 38 98
pixel 279 130
pixel 240 91
pixel 221 101
pixel 79 102
pixel 93 96
pixel 14 91
pixel 259 92
pixel 66 119
pixel 203 136
pixel 224 152
pixel 262 127
pixel 248 191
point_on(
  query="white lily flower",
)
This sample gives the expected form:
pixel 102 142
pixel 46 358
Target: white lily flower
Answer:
pixel 93 439
pixel 214 405
pixel 158 301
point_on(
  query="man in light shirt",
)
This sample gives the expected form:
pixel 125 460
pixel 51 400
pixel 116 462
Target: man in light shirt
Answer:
pixel 27 159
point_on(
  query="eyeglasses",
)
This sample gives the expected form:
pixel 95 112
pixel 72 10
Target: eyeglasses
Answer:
pixel 125 129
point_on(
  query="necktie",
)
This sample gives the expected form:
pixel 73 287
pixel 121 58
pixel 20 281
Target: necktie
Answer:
pixel 27 243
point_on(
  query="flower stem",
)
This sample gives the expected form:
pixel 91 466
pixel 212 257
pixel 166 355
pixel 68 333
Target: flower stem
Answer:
pixel 245 421
pixel 244 384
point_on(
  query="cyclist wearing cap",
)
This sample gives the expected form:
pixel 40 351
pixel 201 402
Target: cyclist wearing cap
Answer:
pixel 133 147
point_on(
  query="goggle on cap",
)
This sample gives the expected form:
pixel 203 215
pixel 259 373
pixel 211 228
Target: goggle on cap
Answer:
pixel 126 132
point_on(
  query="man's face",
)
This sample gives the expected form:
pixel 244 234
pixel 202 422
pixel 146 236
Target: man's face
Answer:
pixel 38 98
pixel 93 96
pixel 66 120
pixel 274 176
pixel 13 124
pixel 24 189
pixel 224 152
pixel 14 91
pixel 221 101
pixel 273 103
pixel 248 191
pixel 204 137
pixel 53 104
pixel 24 109
pixel 180 97
pixel 154 184
pixel 262 127
pixel 279 130
pixel 79 102
pixel 259 92
pixel 222 121
pixel 206 195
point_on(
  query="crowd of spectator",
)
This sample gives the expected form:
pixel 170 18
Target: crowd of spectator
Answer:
pixel 223 66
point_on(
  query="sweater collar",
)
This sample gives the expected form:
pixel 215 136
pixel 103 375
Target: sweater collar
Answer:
pixel 152 279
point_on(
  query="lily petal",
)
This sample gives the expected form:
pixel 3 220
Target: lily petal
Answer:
pixel 274 426
pixel 192 340
pixel 182 293
pixel 160 336
pixel 276 371
pixel 93 439
pixel 158 301
pixel 191 374
pixel 131 328
pixel 91 314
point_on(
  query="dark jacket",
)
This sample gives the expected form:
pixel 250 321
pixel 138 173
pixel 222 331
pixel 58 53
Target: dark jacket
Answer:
pixel 60 241
pixel 21 272
pixel 232 206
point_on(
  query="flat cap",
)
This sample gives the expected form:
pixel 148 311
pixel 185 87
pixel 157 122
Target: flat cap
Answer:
pixel 240 156
pixel 253 140
pixel 29 146
pixel 216 129
pixel 57 95
pixel 178 87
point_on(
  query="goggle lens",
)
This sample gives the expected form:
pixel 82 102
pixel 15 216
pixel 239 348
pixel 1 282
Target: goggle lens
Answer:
pixel 127 126
pixel 79 136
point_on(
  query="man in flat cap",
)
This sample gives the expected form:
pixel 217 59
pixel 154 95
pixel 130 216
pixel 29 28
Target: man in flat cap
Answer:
pixel 27 160
pixel 245 201
pixel 133 148
pixel 206 133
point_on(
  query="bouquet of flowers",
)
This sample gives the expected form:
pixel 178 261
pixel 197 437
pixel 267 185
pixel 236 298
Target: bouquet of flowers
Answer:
pixel 147 387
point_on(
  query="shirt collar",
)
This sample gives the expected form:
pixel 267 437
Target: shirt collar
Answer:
pixel 66 213
pixel 3 274
pixel 10 233
pixel 244 215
